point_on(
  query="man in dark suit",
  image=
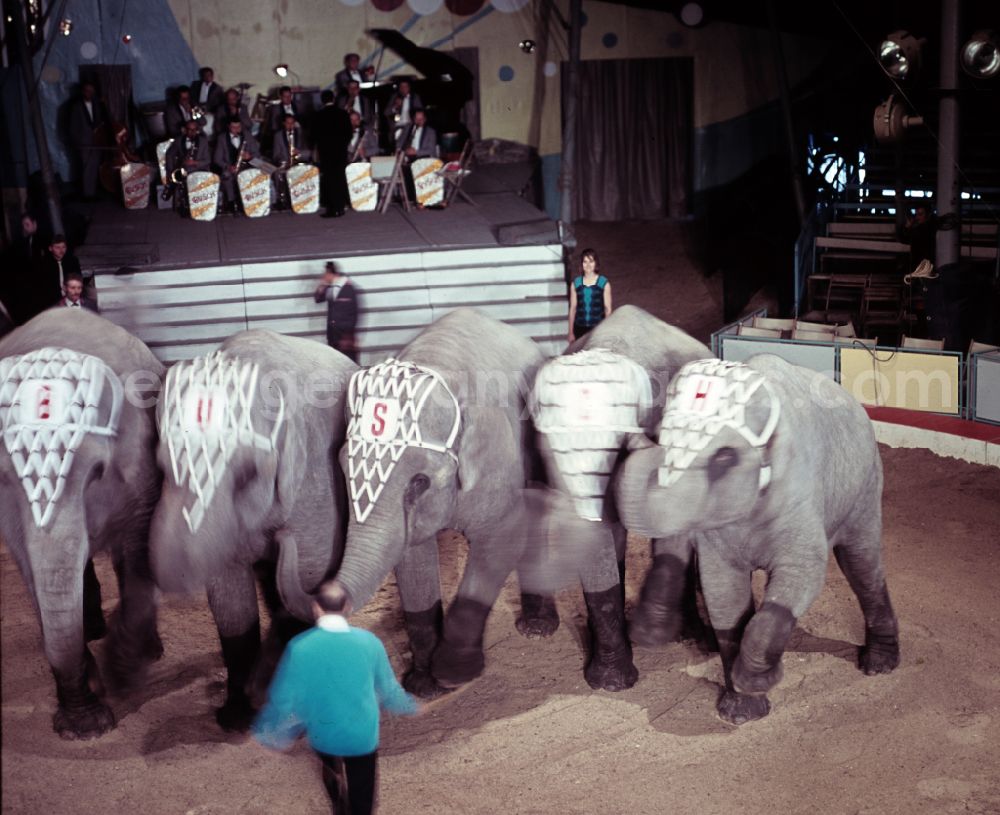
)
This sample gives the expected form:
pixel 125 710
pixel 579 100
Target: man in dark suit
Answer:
pixel 20 275
pixel 232 150
pixel 178 112
pixel 190 152
pixel 363 144
pixel 73 295
pixel 332 132
pixel 86 116
pixel 353 101
pixel 419 140
pixel 399 110
pixel 57 265
pixel 352 72
pixel 337 290
pixel 286 104
pixel 206 93
pixel 232 106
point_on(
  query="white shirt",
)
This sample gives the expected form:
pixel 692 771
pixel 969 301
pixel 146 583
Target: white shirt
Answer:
pixel 235 140
pixel 354 141
pixel 418 133
pixel 203 94
pixel 404 111
pixel 333 622
pixel 288 109
pixel 355 75
pixel 90 109
pixel 186 113
pixel 71 304
pixel 356 105
pixel 61 279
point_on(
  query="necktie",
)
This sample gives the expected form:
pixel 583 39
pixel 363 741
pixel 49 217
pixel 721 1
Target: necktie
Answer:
pixel 75 305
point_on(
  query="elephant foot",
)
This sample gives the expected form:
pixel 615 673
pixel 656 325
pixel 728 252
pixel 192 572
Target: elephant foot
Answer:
pixel 236 715
pixel 747 681
pixel 880 654
pixel 539 616
pixel 611 675
pixel 653 626
pixel 86 722
pixel 740 708
pixel 453 666
pixel 421 684
pixel 130 655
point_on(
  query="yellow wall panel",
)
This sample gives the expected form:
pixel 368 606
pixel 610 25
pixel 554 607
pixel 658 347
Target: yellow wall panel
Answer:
pixel 902 379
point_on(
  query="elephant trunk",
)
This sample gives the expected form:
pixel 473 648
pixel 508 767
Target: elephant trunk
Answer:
pixel 183 559
pixel 372 551
pixel 57 564
pixel 645 507
pixel 296 599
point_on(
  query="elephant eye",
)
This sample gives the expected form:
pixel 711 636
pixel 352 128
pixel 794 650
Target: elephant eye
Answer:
pixel 243 476
pixel 722 461
pixel 419 484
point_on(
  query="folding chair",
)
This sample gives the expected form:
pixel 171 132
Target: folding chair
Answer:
pixel 454 172
pixel 389 186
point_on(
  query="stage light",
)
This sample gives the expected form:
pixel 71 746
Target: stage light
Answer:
pixel 692 14
pixel 528 46
pixel 281 70
pixel 891 121
pixel 981 55
pixel 65 26
pixel 899 55
pixel 127 38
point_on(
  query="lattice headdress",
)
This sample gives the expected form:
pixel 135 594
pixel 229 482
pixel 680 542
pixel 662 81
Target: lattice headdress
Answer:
pixel 386 402
pixel 207 414
pixel 706 396
pixel 586 404
pixel 49 399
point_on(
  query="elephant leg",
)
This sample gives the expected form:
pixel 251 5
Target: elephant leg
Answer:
pixel 729 599
pixel 94 626
pixel 284 626
pixel 860 559
pixel 620 535
pixel 660 616
pixel 134 641
pixel 420 595
pixel 80 713
pixel 609 666
pixel 539 616
pixel 459 656
pixel 232 598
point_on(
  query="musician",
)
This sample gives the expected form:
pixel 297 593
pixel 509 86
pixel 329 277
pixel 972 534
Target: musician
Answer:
pixel 353 101
pixel 288 147
pixel 364 143
pixel 233 106
pixel 352 73
pixel 178 112
pixel 191 153
pixel 399 111
pixel 206 93
pixel 86 117
pixel 232 152
pixel 332 131
pixel 286 104
pixel 419 140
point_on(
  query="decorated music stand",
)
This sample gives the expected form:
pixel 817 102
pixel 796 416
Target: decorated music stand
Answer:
pixel 453 173
pixel 393 184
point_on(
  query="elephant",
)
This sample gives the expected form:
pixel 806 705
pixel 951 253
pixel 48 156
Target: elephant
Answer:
pixel 586 404
pixel 248 446
pixel 78 476
pixel 439 438
pixel 772 466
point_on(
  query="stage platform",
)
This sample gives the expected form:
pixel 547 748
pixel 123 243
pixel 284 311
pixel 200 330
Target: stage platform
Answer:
pixel 194 284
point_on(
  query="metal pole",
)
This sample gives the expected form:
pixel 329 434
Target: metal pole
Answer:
pixel 786 111
pixel 20 41
pixel 566 176
pixel 948 192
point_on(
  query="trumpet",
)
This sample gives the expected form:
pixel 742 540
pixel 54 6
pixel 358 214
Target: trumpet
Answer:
pixel 197 112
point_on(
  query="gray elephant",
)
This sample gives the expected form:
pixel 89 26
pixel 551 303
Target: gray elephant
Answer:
pixel 586 405
pixel 248 441
pixel 78 476
pixel 439 438
pixel 772 465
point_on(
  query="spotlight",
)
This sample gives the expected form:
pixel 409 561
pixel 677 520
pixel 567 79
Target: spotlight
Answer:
pixel 981 55
pixel 899 55
pixel 528 46
pixel 281 70
pixel 65 26
pixel 891 121
pixel 127 38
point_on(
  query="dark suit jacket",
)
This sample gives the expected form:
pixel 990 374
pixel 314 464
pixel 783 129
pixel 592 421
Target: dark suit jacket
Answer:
pixel 369 145
pixel 82 124
pixel 343 77
pixel 222 157
pixel 341 311
pixel 222 115
pixel 332 132
pixel 216 96
pixel 85 302
pixel 428 141
pixel 173 119
pixel 367 108
pixel 278 115
pixel 177 152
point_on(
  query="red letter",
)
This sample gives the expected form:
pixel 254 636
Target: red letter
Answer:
pixel 378 428
pixel 45 402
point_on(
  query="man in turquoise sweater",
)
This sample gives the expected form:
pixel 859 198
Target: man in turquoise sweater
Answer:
pixel 330 684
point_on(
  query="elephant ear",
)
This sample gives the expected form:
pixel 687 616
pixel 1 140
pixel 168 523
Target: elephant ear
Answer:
pixel 486 438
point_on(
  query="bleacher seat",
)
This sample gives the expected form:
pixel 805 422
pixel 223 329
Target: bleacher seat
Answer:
pixel 819 328
pixel 865 341
pixel 751 331
pixel 779 323
pixel 979 347
pixel 914 342
pixel 845 330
